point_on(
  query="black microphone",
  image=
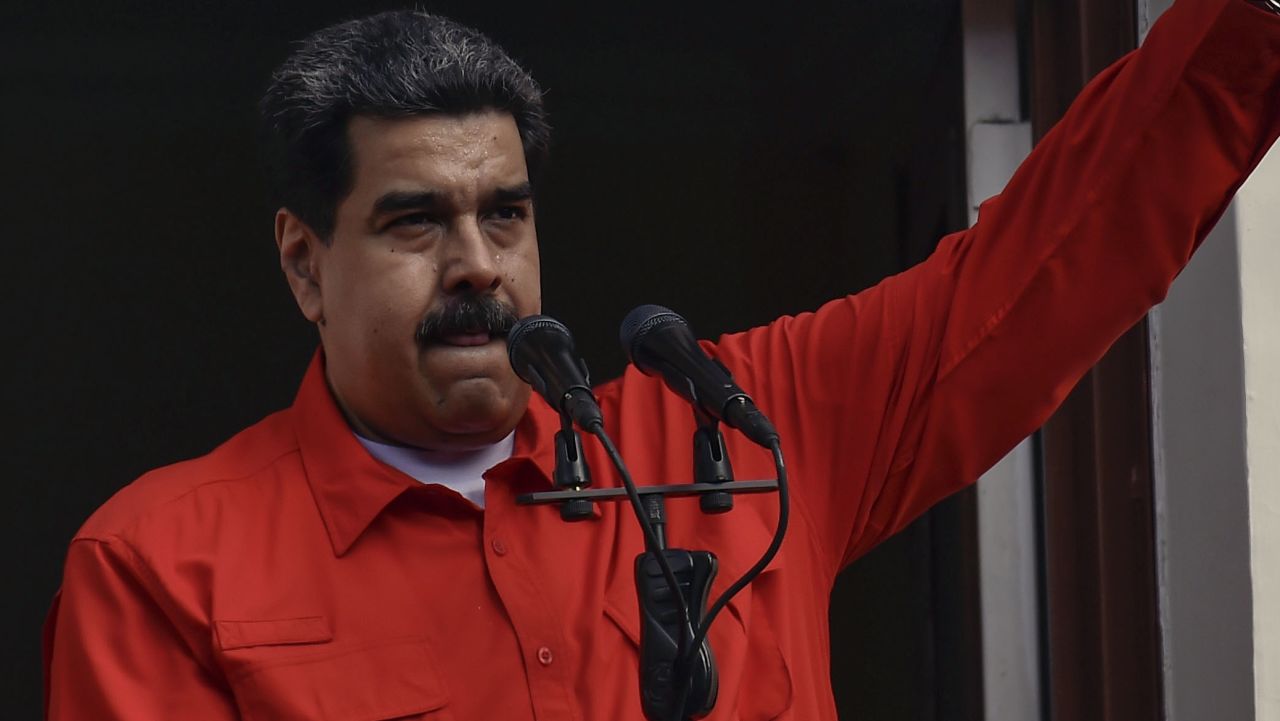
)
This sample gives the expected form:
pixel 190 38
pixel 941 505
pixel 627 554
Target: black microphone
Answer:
pixel 659 342
pixel 541 352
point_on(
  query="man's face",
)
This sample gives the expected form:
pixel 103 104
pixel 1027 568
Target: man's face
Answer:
pixel 439 221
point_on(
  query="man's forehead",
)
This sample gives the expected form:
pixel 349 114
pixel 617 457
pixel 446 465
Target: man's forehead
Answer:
pixel 441 148
pixel 434 134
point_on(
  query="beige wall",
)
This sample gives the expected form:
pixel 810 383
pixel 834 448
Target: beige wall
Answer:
pixel 1258 209
pixel 1216 375
pixel 997 141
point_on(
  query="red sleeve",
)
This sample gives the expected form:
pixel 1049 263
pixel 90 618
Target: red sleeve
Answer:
pixel 896 397
pixel 111 652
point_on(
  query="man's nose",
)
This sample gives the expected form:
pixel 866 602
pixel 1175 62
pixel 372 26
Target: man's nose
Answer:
pixel 469 263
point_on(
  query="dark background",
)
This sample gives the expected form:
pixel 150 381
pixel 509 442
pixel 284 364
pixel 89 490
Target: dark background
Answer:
pixel 731 164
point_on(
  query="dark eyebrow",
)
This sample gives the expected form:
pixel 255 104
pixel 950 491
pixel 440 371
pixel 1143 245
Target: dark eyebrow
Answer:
pixel 514 194
pixel 398 200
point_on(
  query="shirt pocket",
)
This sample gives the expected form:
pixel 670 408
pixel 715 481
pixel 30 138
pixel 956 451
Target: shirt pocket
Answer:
pixel 754 677
pixel 381 681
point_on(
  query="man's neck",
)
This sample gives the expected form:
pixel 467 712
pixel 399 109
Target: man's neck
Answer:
pixel 460 471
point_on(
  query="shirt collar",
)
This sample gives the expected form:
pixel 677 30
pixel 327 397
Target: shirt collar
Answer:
pixel 351 488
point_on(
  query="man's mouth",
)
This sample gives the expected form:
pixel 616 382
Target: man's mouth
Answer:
pixel 466 339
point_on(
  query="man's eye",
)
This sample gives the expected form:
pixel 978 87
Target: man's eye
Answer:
pixel 411 220
pixel 510 212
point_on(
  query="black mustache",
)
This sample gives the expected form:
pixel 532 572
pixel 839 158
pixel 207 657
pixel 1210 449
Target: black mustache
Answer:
pixel 467 314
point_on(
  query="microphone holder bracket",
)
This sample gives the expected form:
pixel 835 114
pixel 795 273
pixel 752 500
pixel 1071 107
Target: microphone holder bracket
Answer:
pixel 711 462
pixel 572 473
pixel 620 494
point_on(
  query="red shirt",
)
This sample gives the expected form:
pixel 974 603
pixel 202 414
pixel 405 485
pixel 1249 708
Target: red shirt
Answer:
pixel 288 575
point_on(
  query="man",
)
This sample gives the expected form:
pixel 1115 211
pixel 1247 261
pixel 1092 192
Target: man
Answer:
pixel 360 555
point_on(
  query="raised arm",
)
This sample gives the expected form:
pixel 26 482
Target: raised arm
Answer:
pixel 894 398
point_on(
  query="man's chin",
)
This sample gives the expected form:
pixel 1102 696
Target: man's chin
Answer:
pixel 477 412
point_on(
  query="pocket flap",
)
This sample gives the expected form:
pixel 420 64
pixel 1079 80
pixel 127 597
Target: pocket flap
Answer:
pixel 280 632
pixel 369 683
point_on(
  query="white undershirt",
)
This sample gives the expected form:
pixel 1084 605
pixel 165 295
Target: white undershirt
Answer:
pixel 461 471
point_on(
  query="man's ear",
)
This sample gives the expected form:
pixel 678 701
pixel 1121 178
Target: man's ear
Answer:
pixel 300 250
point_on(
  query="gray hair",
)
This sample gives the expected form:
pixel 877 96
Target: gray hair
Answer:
pixel 393 64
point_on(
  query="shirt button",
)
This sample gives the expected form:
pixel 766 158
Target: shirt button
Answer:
pixel 499 547
pixel 545 656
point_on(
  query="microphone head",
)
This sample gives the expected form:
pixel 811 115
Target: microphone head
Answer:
pixel 641 321
pixel 522 330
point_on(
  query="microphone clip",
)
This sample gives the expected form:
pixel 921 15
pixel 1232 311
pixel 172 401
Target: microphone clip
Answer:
pixel 711 462
pixel 571 472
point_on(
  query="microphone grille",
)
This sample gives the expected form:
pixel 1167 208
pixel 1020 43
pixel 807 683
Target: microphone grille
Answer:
pixel 531 324
pixel 640 321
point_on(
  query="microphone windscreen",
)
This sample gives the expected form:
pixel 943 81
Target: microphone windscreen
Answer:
pixel 640 321
pixel 521 331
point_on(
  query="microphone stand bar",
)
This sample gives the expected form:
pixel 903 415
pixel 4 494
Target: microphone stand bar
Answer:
pixel 620 494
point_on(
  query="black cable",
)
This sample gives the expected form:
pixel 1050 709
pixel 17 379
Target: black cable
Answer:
pixel 686 626
pixel 784 512
pixel 690 649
